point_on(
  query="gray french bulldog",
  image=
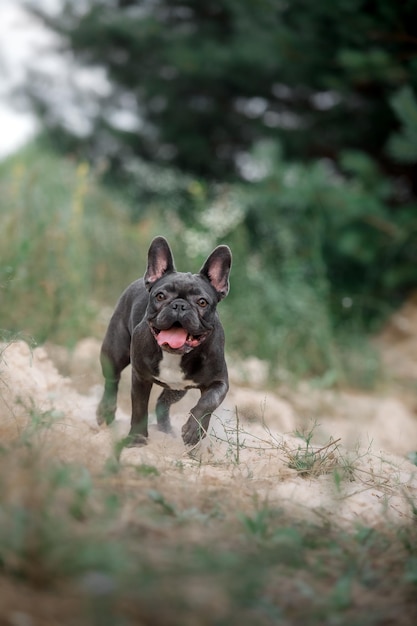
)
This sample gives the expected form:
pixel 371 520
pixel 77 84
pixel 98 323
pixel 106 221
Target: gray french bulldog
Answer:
pixel 167 326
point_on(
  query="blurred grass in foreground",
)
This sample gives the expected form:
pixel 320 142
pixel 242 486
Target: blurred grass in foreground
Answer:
pixel 90 543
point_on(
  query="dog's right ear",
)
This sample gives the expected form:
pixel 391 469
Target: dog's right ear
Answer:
pixel 160 261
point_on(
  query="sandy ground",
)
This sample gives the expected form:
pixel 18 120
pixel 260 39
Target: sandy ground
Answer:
pixel 251 438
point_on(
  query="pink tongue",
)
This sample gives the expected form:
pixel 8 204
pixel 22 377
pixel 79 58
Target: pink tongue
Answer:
pixel 174 337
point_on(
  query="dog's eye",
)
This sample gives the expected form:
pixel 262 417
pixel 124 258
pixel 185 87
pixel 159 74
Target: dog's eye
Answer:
pixel 202 302
pixel 160 296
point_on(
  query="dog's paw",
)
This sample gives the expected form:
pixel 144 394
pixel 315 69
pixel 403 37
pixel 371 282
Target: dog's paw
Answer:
pixel 134 440
pixel 105 413
pixel 167 429
pixel 192 432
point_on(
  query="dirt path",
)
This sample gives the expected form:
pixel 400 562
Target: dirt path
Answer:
pixel 255 458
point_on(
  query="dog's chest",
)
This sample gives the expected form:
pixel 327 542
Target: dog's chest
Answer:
pixel 171 374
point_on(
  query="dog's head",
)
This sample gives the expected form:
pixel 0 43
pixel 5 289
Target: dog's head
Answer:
pixel 182 306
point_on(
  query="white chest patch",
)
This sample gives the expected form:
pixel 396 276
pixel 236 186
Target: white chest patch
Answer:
pixel 171 374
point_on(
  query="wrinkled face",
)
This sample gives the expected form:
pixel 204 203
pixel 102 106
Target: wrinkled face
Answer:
pixel 181 311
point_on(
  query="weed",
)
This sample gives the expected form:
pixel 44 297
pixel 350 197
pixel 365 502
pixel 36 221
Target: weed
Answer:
pixel 310 461
pixel 159 499
pixel 307 460
pixel 147 470
pixel 257 525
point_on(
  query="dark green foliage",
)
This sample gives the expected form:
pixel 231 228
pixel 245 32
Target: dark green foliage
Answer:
pixel 208 80
pixel 334 231
pixel 403 145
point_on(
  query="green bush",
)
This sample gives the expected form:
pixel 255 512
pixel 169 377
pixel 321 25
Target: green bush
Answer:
pixel 321 260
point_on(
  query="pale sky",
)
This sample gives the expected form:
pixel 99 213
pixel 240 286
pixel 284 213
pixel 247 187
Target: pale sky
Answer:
pixel 23 43
pixel 20 40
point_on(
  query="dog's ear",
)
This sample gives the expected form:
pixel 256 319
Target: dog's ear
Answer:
pixel 217 269
pixel 160 261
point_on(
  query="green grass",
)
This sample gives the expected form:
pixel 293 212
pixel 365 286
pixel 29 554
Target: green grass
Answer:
pixel 67 247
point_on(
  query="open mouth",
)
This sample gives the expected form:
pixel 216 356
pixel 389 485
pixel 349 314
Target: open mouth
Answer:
pixel 177 338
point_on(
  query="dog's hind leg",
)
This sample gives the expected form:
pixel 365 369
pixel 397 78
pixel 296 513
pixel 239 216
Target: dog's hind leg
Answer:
pixel 167 397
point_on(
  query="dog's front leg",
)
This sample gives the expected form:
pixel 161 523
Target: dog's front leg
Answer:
pixel 112 364
pixel 197 424
pixel 140 393
pixel 106 410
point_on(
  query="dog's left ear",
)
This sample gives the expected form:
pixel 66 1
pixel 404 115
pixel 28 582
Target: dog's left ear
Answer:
pixel 160 261
pixel 217 269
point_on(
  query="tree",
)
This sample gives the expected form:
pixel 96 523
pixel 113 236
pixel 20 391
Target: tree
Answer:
pixel 205 81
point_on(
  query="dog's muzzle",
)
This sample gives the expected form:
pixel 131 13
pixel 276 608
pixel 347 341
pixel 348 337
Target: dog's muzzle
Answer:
pixel 177 339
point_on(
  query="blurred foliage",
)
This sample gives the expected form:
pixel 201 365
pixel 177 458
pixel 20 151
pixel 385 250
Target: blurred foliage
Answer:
pixel 66 246
pixel 69 249
pixel 287 130
pixel 197 84
pixel 402 145
pixel 337 228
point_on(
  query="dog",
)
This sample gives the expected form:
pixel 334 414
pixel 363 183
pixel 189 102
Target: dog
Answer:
pixel 167 326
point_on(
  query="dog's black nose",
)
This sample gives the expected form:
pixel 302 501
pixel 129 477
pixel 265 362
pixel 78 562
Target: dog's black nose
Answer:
pixel 179 305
